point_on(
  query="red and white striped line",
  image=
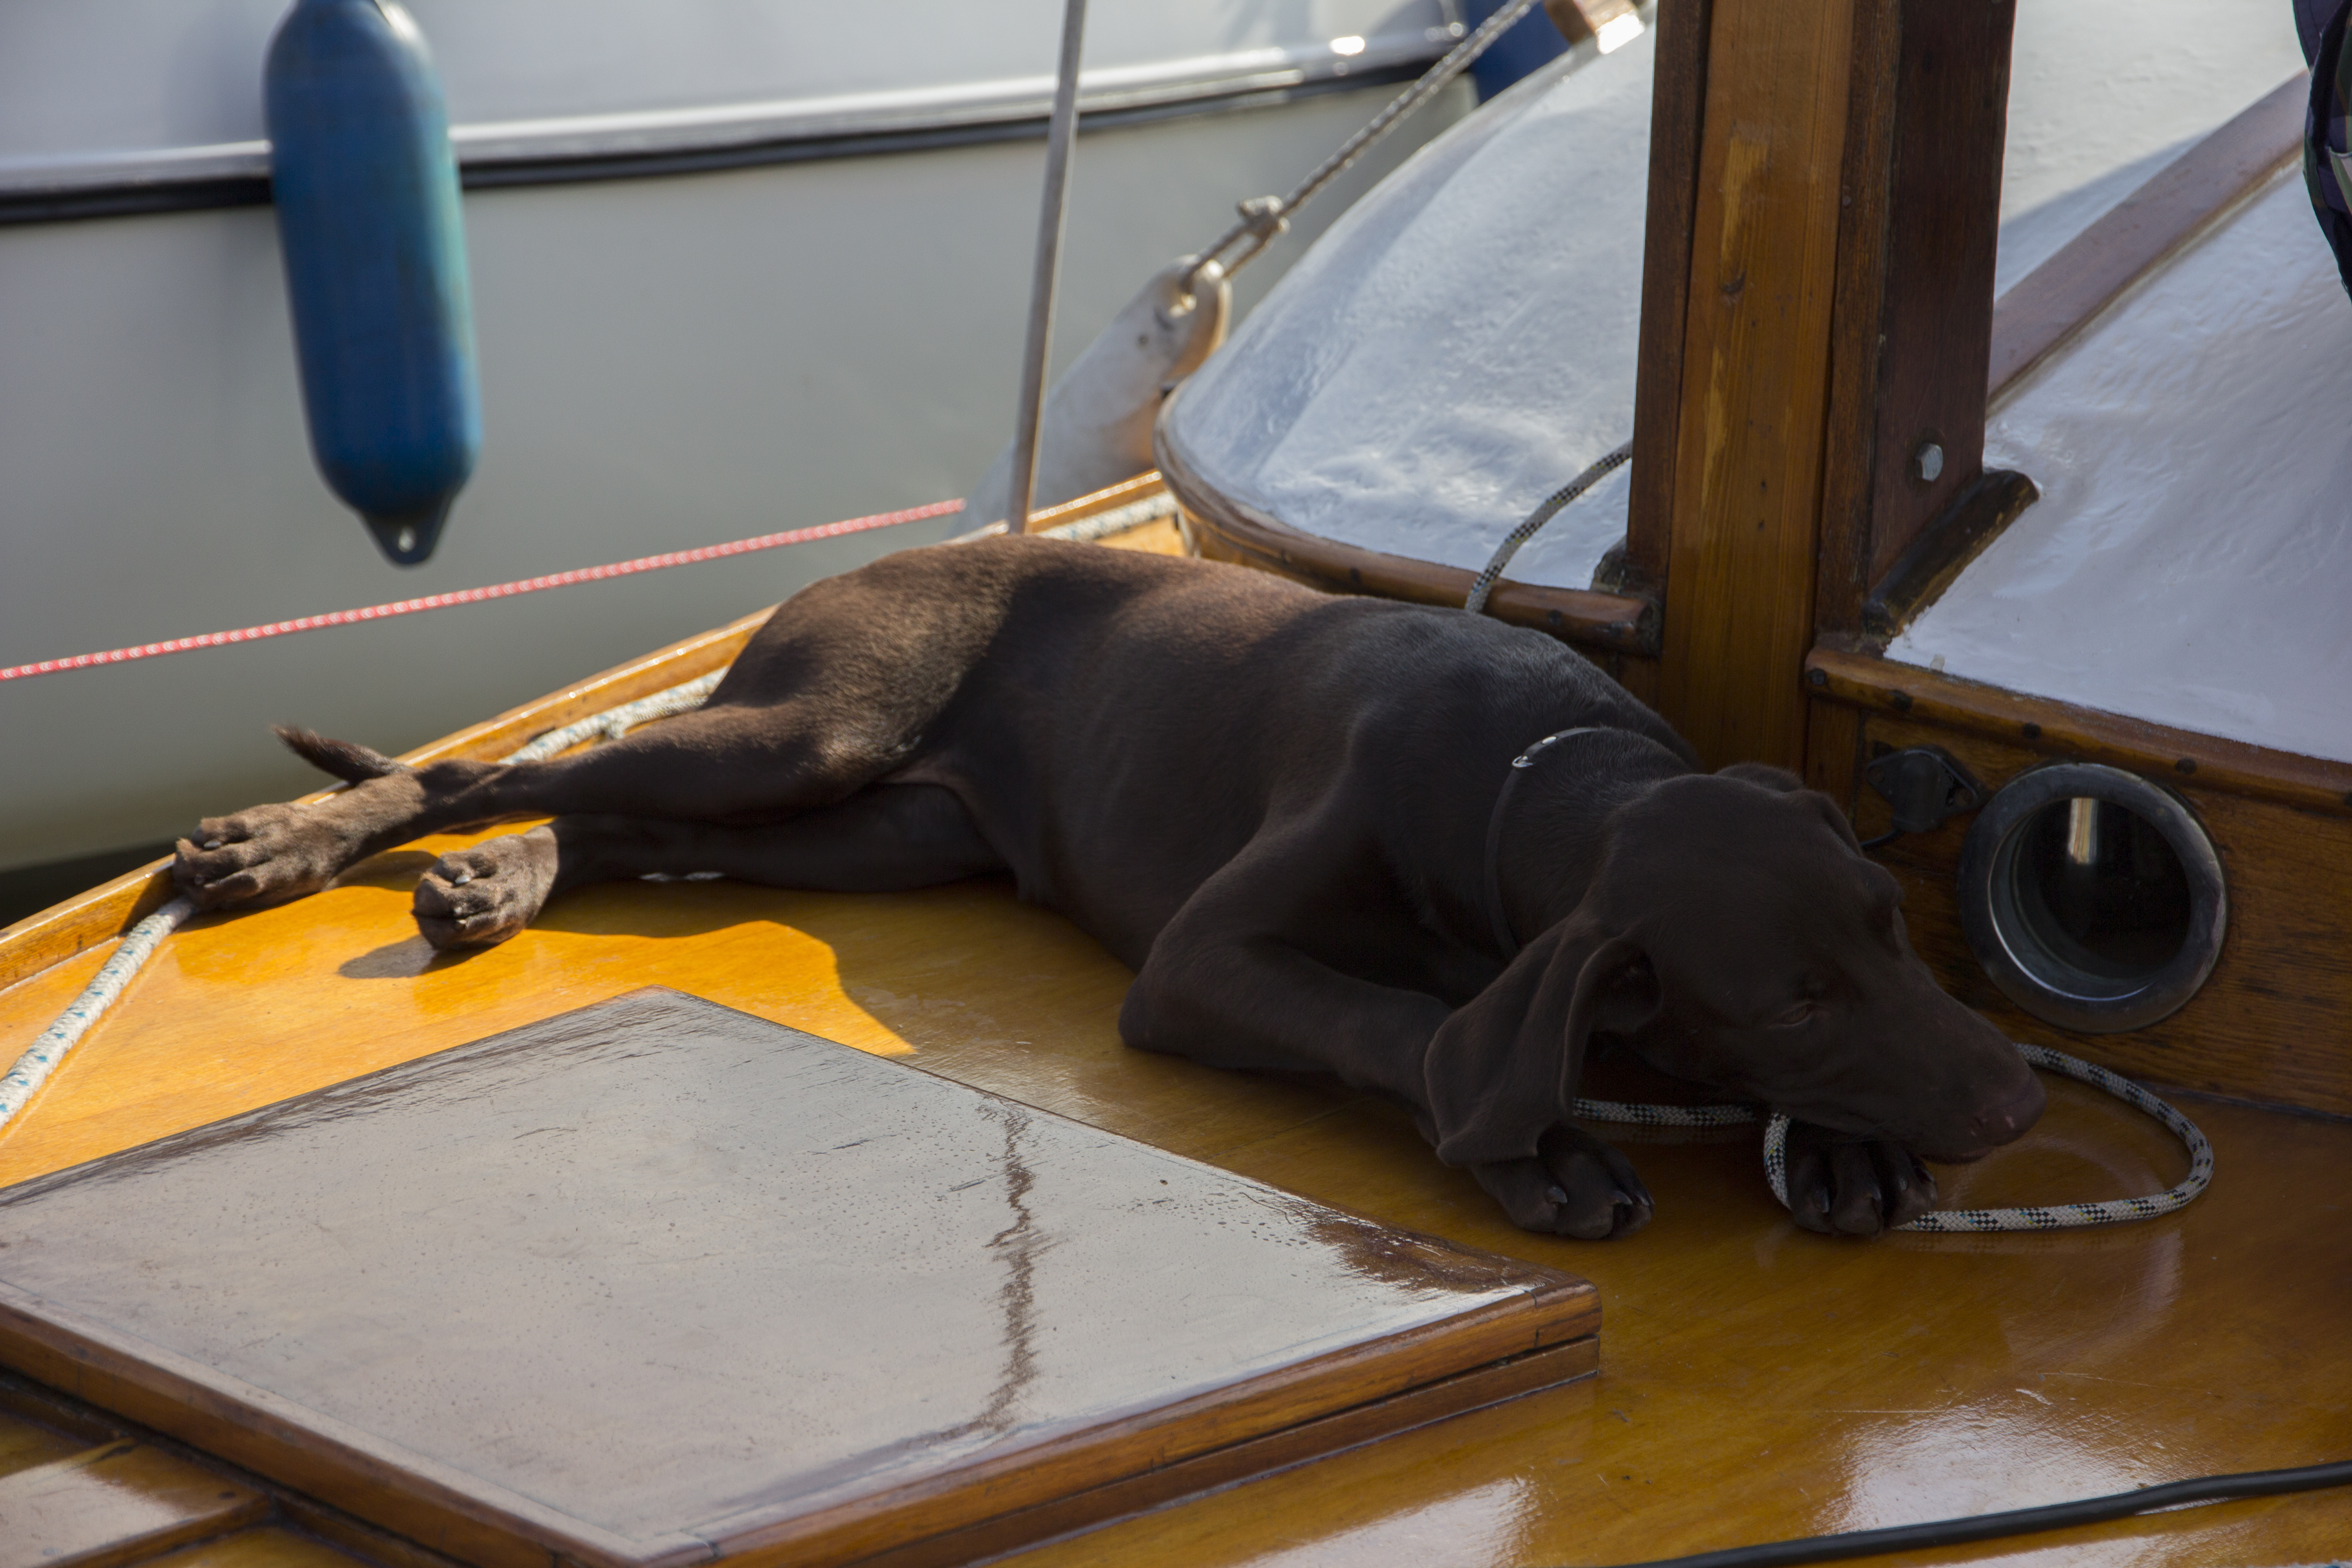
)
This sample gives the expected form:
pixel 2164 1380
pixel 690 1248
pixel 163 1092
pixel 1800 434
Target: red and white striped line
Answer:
pixel 477 595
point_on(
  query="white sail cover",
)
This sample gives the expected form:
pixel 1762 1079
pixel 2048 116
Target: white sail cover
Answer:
pixel 1459 345
pixel 1463 343
pixel 2191 558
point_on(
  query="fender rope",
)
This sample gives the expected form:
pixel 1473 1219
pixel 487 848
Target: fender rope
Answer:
pixel 490 591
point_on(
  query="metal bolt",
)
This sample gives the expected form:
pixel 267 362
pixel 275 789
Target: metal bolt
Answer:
pixel 1928 462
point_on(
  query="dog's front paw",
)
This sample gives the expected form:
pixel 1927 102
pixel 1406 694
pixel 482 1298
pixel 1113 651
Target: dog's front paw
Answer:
pixel 270 852
pixel 482 896
pixel 1576 1185
pixel 1842 1185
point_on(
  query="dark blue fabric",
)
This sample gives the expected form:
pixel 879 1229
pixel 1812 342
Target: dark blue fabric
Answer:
pixel 366 192
pixel 1533 42
pixel 2325 132
pixel 2310 21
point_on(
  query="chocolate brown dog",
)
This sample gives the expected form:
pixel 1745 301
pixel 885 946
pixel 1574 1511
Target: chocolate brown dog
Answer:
pixel 1275 805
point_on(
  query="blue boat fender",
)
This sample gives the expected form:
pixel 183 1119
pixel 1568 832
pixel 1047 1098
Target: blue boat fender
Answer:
pixel 368 221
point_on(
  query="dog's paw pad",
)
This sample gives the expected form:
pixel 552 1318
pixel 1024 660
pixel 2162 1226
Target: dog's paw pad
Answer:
pixel 1576 1187
pixel 269 852
pixel 1845 1186
pixel 482 896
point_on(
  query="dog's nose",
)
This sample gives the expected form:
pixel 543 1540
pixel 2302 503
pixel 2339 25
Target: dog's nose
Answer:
pixel 2007 1120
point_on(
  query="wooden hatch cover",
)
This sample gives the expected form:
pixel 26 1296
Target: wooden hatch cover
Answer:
pixel 658 1282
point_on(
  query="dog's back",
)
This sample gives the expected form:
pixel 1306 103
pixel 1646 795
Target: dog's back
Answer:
pixel 1120 725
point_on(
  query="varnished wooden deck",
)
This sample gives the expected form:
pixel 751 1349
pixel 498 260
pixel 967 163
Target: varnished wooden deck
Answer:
pixel 1757 1381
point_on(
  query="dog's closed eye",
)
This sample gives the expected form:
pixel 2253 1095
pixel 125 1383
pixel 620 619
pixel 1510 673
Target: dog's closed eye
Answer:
pixel 1803 1011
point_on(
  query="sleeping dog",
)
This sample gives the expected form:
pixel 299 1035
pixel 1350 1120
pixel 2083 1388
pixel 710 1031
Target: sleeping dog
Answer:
pixel 1288 812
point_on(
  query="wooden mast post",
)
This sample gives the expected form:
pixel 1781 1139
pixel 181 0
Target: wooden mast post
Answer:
pixel 1817 309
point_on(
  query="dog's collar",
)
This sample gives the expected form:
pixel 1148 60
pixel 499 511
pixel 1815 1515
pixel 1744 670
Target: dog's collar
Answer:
pixel 1491 889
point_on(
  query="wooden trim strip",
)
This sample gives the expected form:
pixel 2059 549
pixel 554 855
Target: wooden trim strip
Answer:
pixel 1552 1367
pixel 1374 1381
pixel 1910 329
pixel 295 1445
pixel 1677 100
pixel 2059 297
pixel 1226 529
pixel 2061 728
pixel 1126 493
pixel 105 912
pixel 378 1480
pixel 1943 550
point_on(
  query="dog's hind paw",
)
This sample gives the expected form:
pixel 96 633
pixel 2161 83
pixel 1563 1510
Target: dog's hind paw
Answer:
pixel 1577 1185
pixel 1842 1185
pixel 482 896
pixel 270 852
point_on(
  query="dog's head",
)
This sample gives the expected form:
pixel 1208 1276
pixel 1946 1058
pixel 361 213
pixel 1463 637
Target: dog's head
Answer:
pixel 1735 936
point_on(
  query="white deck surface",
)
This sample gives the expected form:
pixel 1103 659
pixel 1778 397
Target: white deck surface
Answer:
pixel 2190 560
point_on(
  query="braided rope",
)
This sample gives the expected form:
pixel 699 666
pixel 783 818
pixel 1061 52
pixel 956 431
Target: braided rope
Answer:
pixel 614 722
pixel 1666 1115
pixel 1483 584
pixel 41 1057
pixel 1117 520
pixel 1263 218
pixel 2055 1216
pixel 483 595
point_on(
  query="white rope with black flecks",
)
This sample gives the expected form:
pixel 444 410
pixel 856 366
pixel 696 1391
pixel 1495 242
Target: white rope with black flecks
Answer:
pixel 1483 584
pixel 2054 1216
pixel 614 722
pixel 41 1057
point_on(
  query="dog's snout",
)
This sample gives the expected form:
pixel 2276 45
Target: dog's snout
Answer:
pixel 2007 1120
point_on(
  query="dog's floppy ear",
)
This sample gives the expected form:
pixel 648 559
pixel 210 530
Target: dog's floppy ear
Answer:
pixel 1502 1069
pixel 1787 783
pixel 1763 774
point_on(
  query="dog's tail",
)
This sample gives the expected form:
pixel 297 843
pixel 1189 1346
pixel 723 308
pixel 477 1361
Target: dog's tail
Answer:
pixel 347 759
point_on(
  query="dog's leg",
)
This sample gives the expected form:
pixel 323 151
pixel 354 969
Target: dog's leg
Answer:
pixel 885 838
pixel 1840 1185
pixel 1576 1185
pixel 1248 999
pixel 1225 984
pixel 714 762
pixel 833 692
pixel 273 852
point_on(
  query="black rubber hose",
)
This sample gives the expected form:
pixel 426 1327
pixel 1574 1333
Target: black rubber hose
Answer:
pixel 2016 1522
